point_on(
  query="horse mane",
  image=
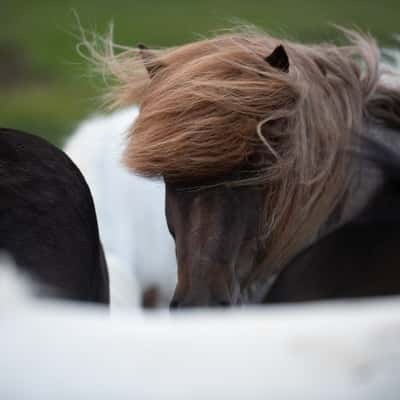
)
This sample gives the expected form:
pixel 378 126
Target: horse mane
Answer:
pixel 216 104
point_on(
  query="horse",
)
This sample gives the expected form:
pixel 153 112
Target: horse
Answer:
pixel 261 143
pixel 48 223
pixel 137 245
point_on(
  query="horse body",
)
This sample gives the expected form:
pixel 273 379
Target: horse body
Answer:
pixel 265 150
pixel 138 248
pixel 48 222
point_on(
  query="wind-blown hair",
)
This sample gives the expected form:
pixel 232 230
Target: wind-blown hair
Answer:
pixel 215 105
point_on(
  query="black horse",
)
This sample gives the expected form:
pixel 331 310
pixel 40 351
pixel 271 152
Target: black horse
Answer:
pixel 48 222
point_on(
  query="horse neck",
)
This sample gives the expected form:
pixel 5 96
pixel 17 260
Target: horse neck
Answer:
pixel 375 158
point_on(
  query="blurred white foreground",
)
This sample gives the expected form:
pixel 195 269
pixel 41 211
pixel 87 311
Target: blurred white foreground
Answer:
pixel 343 350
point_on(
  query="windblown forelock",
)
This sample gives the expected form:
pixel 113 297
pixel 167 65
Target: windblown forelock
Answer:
pixel 186 143
pixel 200 118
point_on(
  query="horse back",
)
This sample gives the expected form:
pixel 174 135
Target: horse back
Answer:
pixel 47 218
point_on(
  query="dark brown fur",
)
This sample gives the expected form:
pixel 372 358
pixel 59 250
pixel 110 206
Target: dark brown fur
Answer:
pixel 48 222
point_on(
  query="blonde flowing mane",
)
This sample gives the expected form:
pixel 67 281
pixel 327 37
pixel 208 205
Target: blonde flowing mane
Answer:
pixel 216 104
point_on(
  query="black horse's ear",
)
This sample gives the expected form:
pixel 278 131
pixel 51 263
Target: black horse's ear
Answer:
pixel 278 59
pixel 149 60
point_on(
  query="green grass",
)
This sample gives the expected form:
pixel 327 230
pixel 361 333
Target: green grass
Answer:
pixel 54 91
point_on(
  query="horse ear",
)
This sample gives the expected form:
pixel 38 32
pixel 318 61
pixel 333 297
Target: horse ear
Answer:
pixel 278 59
pixel 149 60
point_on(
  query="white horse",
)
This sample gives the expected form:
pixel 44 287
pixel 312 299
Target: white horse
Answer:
pixel 139 250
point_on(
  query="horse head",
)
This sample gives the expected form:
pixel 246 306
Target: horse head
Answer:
pixel 217 234
pixel 216 224
pixel 251 149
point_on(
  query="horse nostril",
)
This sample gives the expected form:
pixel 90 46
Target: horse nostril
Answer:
pixel 174 304
pixel 219 303
pixel 181 303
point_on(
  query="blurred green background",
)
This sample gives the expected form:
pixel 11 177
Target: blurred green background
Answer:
pixel 46 88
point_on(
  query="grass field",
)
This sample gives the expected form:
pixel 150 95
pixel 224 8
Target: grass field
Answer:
pixel 46 88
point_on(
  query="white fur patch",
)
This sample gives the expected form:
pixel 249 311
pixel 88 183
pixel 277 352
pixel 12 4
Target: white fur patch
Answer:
pixel 138 247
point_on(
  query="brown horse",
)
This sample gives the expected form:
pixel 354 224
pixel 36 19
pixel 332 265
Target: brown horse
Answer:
pixel 258 141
